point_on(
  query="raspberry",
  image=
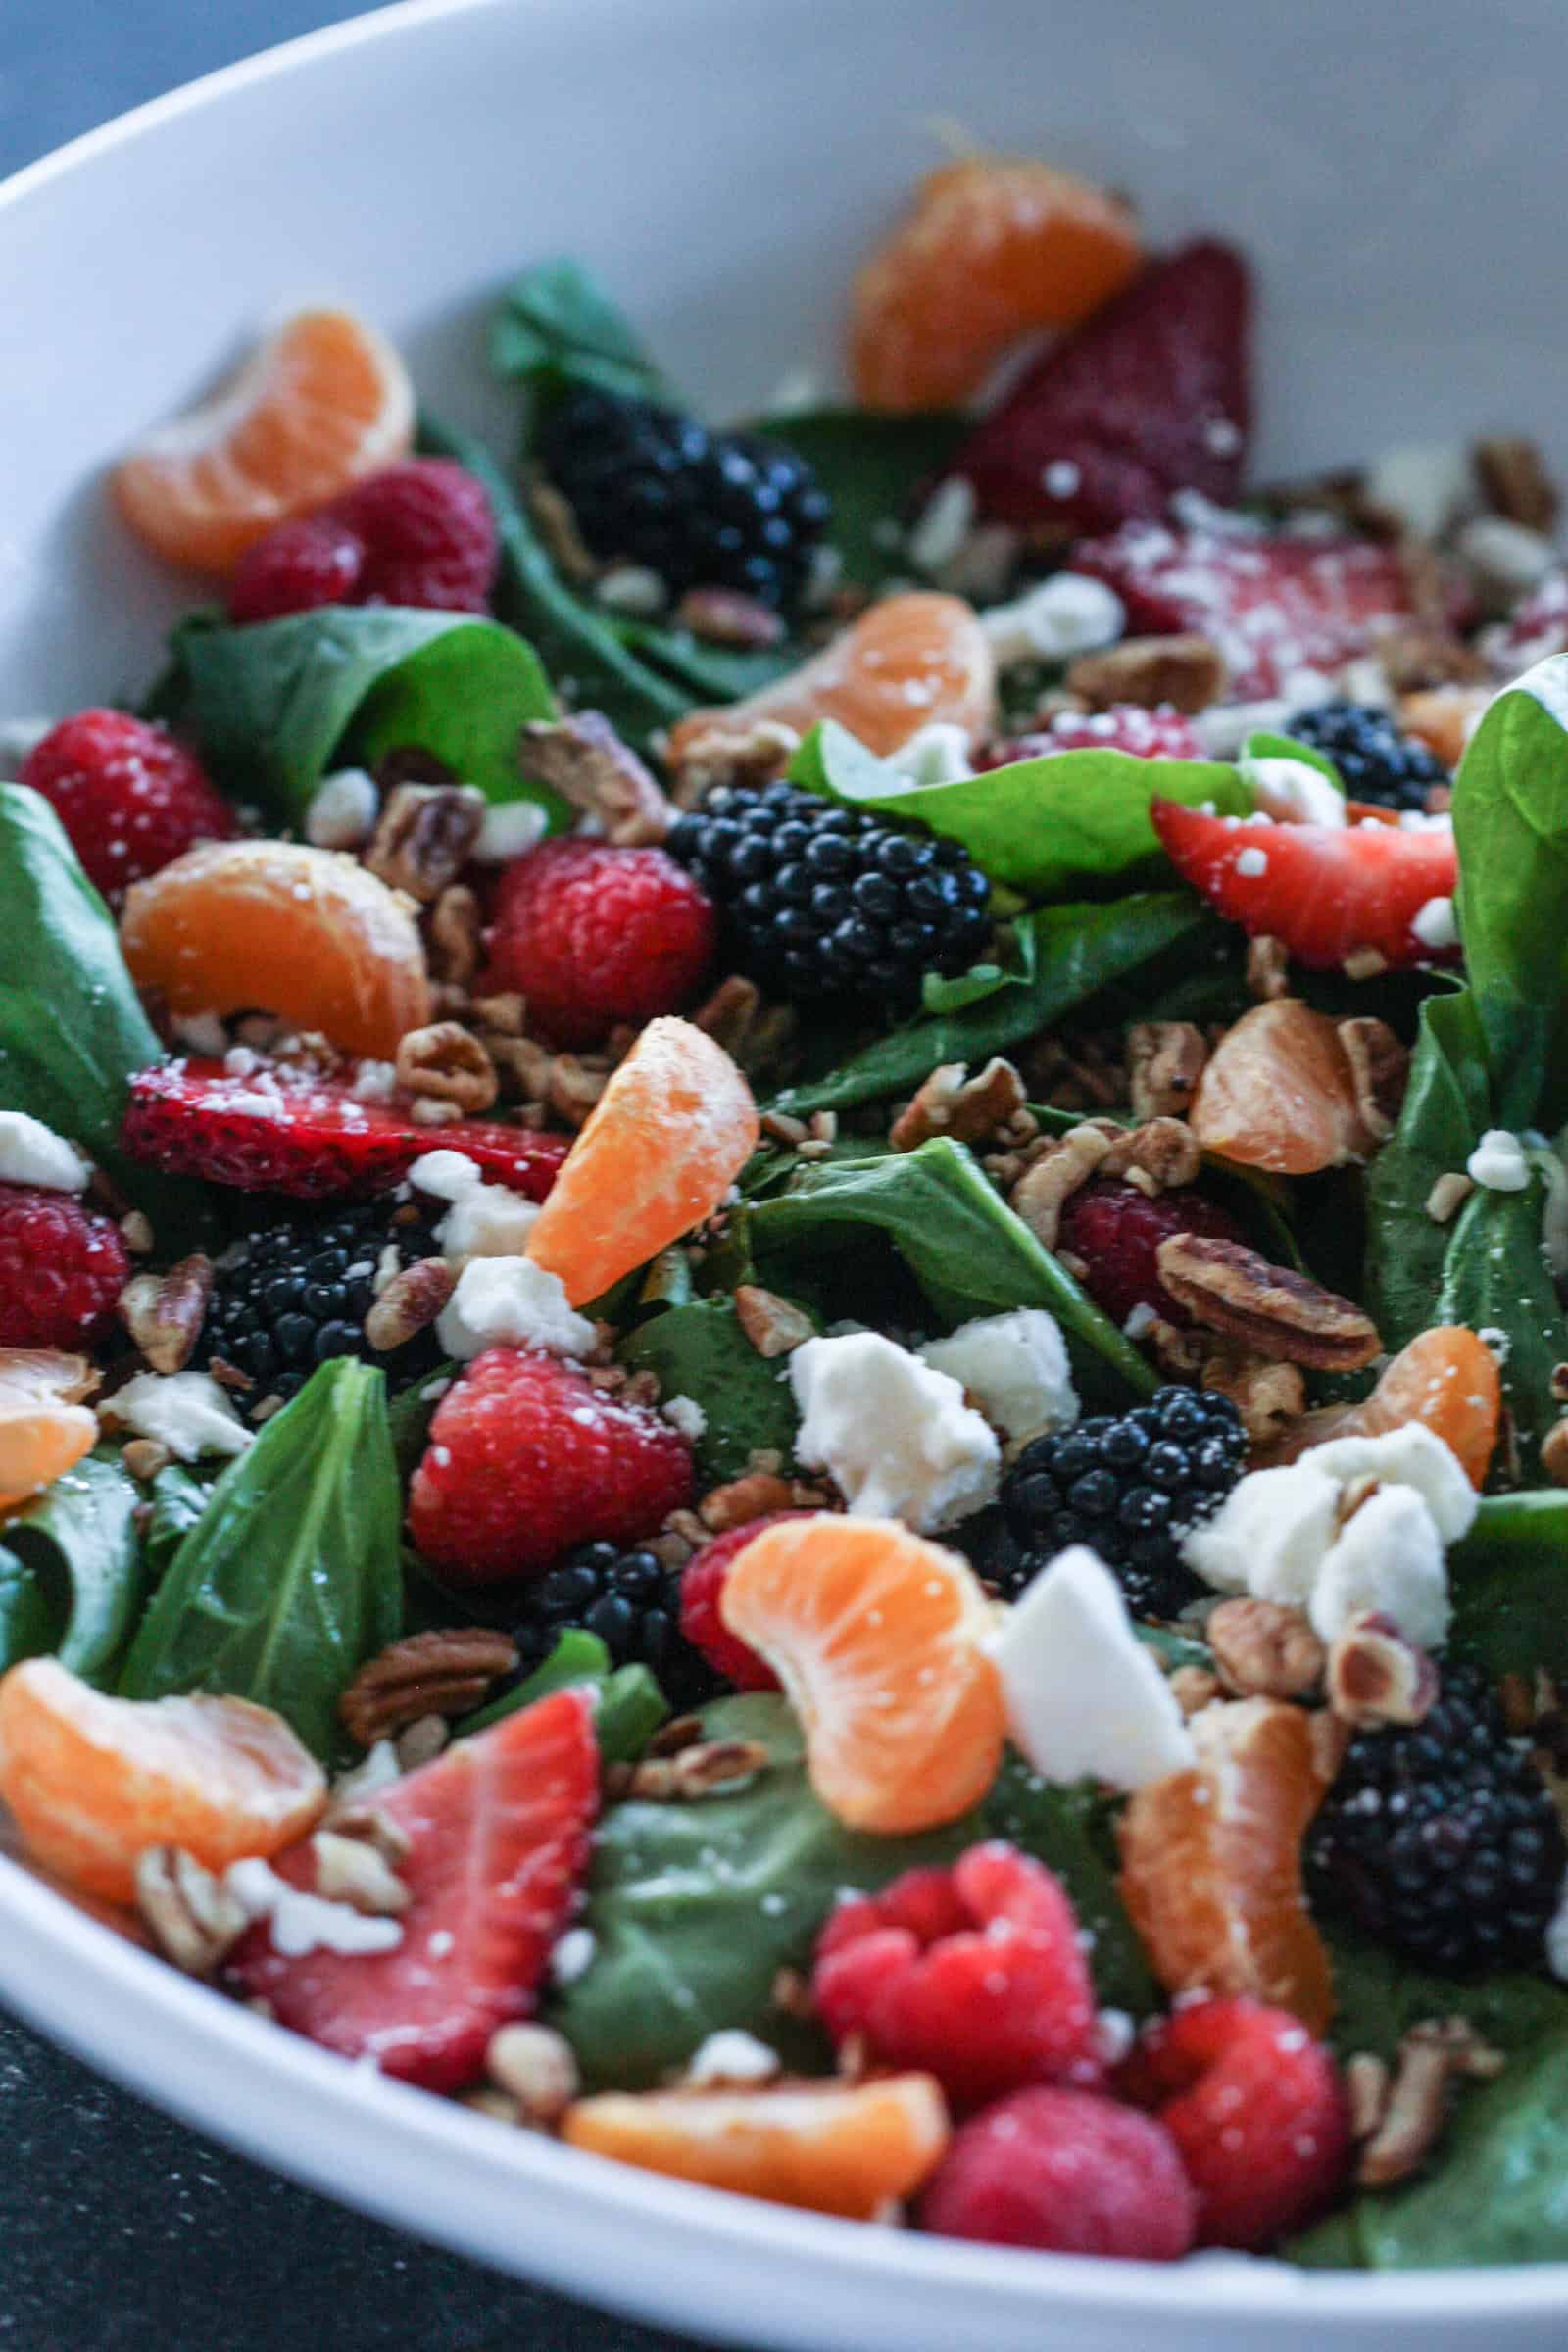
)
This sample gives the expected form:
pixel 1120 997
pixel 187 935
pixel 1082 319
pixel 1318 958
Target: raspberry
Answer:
pixel 129 797
pixel 1067 2171
pixel 592 936
pixel 420 533
pixel 702 1585
pixel 1257 2110
pixel 526 1459
pixel 62 1268
pixel 974 1975
pixel 1159 734
pixel 1116 1231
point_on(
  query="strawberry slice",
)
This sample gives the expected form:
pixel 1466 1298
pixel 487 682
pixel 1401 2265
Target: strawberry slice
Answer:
pixel 1536 628
pixel 1327 892
pixel 498 1832
pixel 1272 603
pixel 1152 395
pixel 286 1132
pixel 1159 734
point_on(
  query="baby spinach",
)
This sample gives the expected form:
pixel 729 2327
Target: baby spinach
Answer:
pixel 577 1657
pixel 700 1351
pixel 28 1623
pixel 289 1579
pixel 78 1549
pixel 1510 1581
pixel 872 468
pixel 1494 1278
pixel 1445 1111
pixel 631 1708
pixel 1262 745
pixel 557 327
pixel 410 1415
pixel 1378 1998
pixel 1071 1829
pixel 178 1499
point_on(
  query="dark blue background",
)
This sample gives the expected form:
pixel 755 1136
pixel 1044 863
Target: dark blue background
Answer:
pixel 118 2231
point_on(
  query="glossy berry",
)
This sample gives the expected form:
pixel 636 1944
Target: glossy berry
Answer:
pixel 975 1973
pixel 1130 1487
pixel 526 1459
pixel 1159 734
pixel 818 899
pixel 1376 762
pixel 419 533
pixel 293 1295
pixel 704 510
pixel 1067 2172
pixel 702 1586
pixel 631 1601
pixel 593 935
pixel 131 797
pixel 1115 1231
pixel 1257 2110
pixel 62 1268
pixel 1441 1839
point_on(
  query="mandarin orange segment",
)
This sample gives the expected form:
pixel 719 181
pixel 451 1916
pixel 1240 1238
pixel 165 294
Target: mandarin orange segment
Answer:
pixel 1447 1379
pixel 830 2147
pixel 908 662
pixel 323 400
pixel 44 1427
pixel 876 1635
pixel 93 1780
pixel 1278 1092
pixel 993 248
pixel 1444 717
pixel 665 1142
pixel 1212 1862
pixel 273 926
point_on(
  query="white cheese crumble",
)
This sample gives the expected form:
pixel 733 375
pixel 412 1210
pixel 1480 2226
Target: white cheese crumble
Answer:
pixel 508 830
pixel 1252 862
pixel 1084 1696
pixel 1224 727
pixel 301 1923
pixel 1068 613
pixel 1294 792
pixel 1499 1162
pixel 1434 926
pixel 343 811
pixel 1389 1558
pixel 894 1433
pixel 634 588
pixel 943 524
pixel 486 1220
pixel 731 2055
pixel 1506 552
pixel 573 1955
pixel 938 753
pixel 445 1175
pixel 685 1415
pixel 202 1032
pixel 186 1411
pixel 33 1154
pixel 510 1303
pixel 1411 1456
pixel 1015 1369
pixel 374 1082
pixel 1429 486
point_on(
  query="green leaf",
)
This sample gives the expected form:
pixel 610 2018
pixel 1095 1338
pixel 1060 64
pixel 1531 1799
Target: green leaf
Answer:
pixel 1073 820
pixel 1378 1997
pixel 1445 1111
pixel 289 1580
pixel 1494 1278
pixel 78 1543
pixel 28 1623
pixel 557 326
pixel 872 468
pixel 1510 1581
pixel 703 672
pixel 178 1499
pixel 410 1415
pixel 701 1351
pixel 631 1708
pixel 1071 1830
pixel 577 1657
pixel 965 1248
pixel 1261 745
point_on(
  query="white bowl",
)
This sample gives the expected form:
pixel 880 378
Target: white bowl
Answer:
pixel 722 162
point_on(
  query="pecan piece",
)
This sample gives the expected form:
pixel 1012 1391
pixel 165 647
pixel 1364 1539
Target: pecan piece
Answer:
pixel 1163 1151
pixel 1052 1178
pixel 534 2064
pixel 951 1102
pixel 1377 1675
pixel 742 1499
pixel 1555 1453
pixel 436 1674
pixel 773 1324
pixel 424 836
pixel 584 759
pixel 1186 670
pixel 1264 1650
pixel 1283 1314
pixel 410 1302
pixel 1164 1062
pixel 1514 476
pixel 755 1035
pixel 1431 2056
pixel 354 1871
pixel 695 1772
pixel 1426 654
pixel 1380 1066
pixel 730 753
pixel 164 1313
pixel 193 1918
pixel 1268 968
pixel 456 929
pixel 445 1064
pixel 724 616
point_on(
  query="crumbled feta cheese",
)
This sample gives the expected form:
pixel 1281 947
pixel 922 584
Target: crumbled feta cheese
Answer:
pixel 1388 1557
pixel 445 1175
pixel 508 829
pixel 731 2056
pixel 1434 924
pixel 1015 1369
pixel 18 738
pixel 573 1955
pixel 634 588
pixel 486 1220
pixel 1068 613
pixel 1140 1321
pixel 1428 486
pixel 1499 1162
pixel 301 1923
pixel 1252 862
pixel 943 524
pixel 186 1411
pixel 1270 1535
pixel 1366 680
pixel 1411 1456
pixel 376 1082
pixel 1224 727
pixel 1505 552
pixel 343 810
pixel 1060 478
pixel 935 755
pixel 510 1303
pixel 201 1033
pixel 1294 792
pixel 377 1769
pixel 895 1434
pixel 685 1415
pixel 33 1154
pixel 1085 1697
pixel 243 1061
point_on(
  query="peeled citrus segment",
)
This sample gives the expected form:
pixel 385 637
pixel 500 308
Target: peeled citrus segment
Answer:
pixel 831 2147
pixel 876 1636
pixel 1278 1092
pixel 94 1780
pixel 1212 1862
pixel 1444 717
pixel 1447 1379
pixel 663 1143
pixel 993 247
pixel 44 1426
pixel 908 662
pixel 273 926
pixel 323 400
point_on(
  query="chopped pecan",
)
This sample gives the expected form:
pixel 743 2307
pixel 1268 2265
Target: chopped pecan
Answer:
pixel 506 1016
pixel 534 2064
pixel 1268 968
pixel 724 616
pixel 773 1324
pixel 573 1085
pixel 445 1064
pixel 439 1674
pixel 424 836
pixel 136 1232
pixel 1187 670
pixel 1376 1675
pixel 1194 1688
pixel 1555 1453
pixel 1165 1151
pixel 1425 654
pixel 1431 2056
pixel 455 935
pixel 731 752
pixel 410 1302
pixel 193 1918
pixel 1448 1195
pixel 584 759
pixel 1380 1066
pixel 557 525
pixel 1066 1162
pixel 951 1102
pixel 1514 476
pixel 695 1772
pixel 367 1824
pixel 353 1871
pixel 144 1457
pixel 742 1499
pixel 1284 1314
pixel 424 1739
pixel 1264 1650
pixel 164 1313
pixel 1083 1073
pixel 754 1035
pixel 1164 1062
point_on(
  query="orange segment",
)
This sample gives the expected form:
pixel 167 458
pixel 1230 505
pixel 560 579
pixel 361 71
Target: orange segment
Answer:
pixel 665 1142
pixel 1212 1862
pixel 831 2147
pixel 1447 1379
pixel 273 926
pixel 44 1426
pixel 1444 717
pixel 909 661
pixel 876 1636
pixel 94 1780
pixel 1278 1092
pixel 321 402
pixel 993 247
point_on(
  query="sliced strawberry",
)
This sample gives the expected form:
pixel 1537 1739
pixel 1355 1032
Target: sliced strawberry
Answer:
pixel 1271 602
pixel 498 1832
pixel 1161 733
pixel 283 1132
pixel 1537 628
pixel 1154 394
pixel 1327 892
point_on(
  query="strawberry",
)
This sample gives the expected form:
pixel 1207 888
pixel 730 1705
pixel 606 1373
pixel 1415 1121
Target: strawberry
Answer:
pixel 702 1589
pixel 131 797
pixel 1152 395
pixel 1159 734
pixel 282 1131
pixel 1325 891
pixel 498 1832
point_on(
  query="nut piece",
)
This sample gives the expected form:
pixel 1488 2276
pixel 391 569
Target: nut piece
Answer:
pixel 724 616
pixel 144 1457
pixel 583 759
pixel 371 1824
pixel 951 1102
pixel 1448 1195
pixel 410 1303
pixel 742 1499
pixel 445 1064
pixel 1555 1453
pixel 437 1673
pixel 728 753
pixel 424 836
pixel 696 1771
pixel 1163 1151
pixel 1164 1062
pixel 535 2065
pixel 1051 1180
pixel 1513 475
pixel 1283 1314
pixel 1431 2056
pixel 1425 654
pixel 1194 1688
pixel 164 1313
pixel 455 936
pixel 1268 968
pixel 1188 671
pixel 755 1036
pixel 1380 1066
pixel 773 1324
pixel 350 1870
pixel 1377 1675
pixel 192 1917
pixel 1264 1650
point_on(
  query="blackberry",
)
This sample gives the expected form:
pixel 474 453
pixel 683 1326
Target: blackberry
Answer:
pixel 820 900
pixel 632 1603
pixel 1443 1840
pixel 704 510
pixel 1376 762
pixel 290 1296
pixel 1129 1486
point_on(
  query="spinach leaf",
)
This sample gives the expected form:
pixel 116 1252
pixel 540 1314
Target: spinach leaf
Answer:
pixel 577 1657
pixel 1445 1111
pixel 1262 745
pixel 411 1413
pixel 557 328
pixel 872 468
pixel 78 1545
pixel 178 1499
pixel 1494 1278
pixel 631 1708
pixel 704 673
pixel 701 1351
pixel 1510 1581
pixel 289 1579
pixel 1071 1830
pixel 28 1623
pixel 968 1251
pixel 1378 1997
pixel 1070 821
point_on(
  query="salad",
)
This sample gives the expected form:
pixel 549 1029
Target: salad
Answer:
pixel 783 1240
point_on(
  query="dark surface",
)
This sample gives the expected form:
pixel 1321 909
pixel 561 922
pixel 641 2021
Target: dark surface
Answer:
pixel 120 2231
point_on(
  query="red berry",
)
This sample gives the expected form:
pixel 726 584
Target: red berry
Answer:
pixel 498 1847
pixel 1537 628
pixel 273 1130
pixel 129 797
pixel 1150 396
pixel 974 1975
pixel 1116 1231
pixel 1257 2110
pixel 62 1268
pixel 702 1585
pixel 419 533
pixel 309 562
pixel 1067 2171
pixel 592 936
pixel 1159 734
pixel 527 1459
